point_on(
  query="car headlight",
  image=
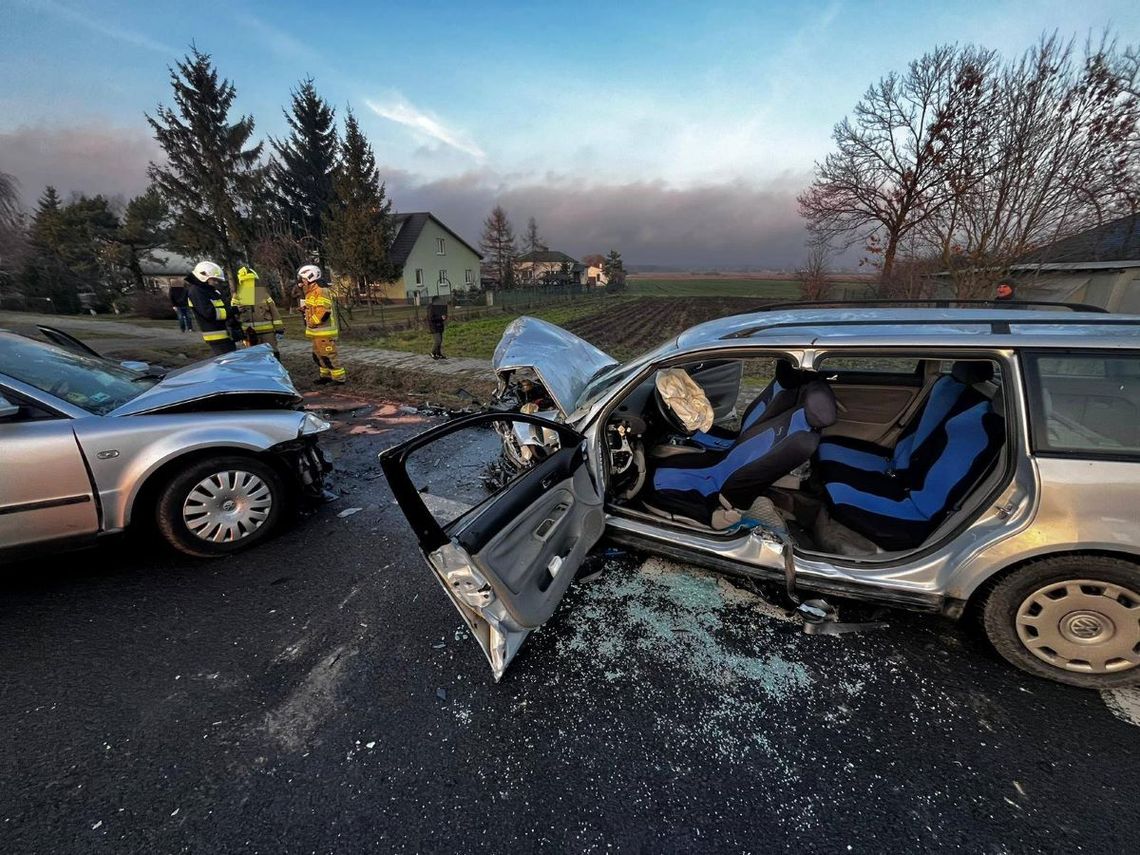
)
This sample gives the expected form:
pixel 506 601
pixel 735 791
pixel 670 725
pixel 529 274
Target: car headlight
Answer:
pixel 311 424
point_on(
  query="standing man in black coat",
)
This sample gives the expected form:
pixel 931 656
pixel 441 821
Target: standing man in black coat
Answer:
pixel 437 320
pixel 179 299
pixel 210 300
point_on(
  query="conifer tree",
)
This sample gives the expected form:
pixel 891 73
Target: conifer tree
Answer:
pixel 359 226
pixel 498 245
pixel 144 227
pixel 532 241
pixel 211 174
pixel 306 163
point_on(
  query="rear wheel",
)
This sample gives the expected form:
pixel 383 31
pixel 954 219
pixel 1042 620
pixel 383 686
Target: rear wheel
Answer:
pixel 1073 619
pixel 220 505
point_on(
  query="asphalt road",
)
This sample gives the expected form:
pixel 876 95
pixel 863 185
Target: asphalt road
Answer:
pixel 320 695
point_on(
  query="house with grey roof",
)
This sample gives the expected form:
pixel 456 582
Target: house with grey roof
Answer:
pixel 432 260
pixel 549 267
pixel 1100 266
pixel 162 268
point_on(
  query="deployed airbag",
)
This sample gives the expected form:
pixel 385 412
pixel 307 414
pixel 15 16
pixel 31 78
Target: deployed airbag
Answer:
pixel 685 398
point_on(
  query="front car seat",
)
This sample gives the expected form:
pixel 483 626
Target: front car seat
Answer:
pixel 777 397
pixel 768 450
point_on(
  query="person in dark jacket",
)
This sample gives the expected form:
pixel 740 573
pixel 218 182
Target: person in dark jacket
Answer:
pixel 179 299
pixel 437 320
pixel 210 300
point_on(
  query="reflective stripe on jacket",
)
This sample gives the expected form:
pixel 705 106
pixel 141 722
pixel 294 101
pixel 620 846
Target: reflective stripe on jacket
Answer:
pixel 209 305
pixel 320 313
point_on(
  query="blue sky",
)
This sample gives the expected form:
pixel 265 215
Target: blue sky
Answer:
pixel 545 104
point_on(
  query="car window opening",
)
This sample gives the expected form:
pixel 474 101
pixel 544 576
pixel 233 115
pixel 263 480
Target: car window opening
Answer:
pixel 865 457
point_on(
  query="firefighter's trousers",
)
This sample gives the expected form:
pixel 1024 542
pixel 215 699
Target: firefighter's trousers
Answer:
pixel 324 354
pixel 254 338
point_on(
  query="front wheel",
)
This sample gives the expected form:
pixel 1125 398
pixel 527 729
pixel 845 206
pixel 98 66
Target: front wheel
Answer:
pixel 220 505
pixel 1073 619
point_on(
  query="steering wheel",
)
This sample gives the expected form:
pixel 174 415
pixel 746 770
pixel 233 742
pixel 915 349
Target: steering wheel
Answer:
pixel 670 417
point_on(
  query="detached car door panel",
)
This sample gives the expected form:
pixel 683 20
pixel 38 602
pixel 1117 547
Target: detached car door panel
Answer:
pixel 507 562
pixel 45 490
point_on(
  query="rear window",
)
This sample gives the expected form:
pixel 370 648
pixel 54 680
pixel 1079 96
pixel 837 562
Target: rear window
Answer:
pixel 95 385
pixel 870 365
pixel 1085 402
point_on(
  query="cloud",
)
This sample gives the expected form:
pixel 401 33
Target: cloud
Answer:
pixel 96 25
pixel 725 225
pixel 400 111
pixel 279 41
pixel 91 158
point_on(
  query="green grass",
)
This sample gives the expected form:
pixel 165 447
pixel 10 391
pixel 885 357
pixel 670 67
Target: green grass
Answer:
pixel 477 338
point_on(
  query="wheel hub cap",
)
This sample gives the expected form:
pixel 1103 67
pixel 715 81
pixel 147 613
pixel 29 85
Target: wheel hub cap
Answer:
pixel 1082 625
pixel 227 506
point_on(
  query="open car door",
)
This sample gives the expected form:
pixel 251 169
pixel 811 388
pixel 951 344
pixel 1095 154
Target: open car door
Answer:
pixel 506 561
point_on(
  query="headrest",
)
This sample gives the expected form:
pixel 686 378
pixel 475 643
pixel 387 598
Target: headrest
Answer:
pixel 972 372
pixel 787 376
pixel 818 403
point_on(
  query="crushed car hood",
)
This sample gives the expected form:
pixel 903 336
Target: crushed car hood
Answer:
pixel 252 371
pixel 563 362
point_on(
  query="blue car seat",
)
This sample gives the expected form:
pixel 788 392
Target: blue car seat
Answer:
pixel 843 458
pixel 901 512
pixel 778 396
pixel 770 448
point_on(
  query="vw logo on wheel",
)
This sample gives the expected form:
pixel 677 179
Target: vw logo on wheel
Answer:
pixel 1085 626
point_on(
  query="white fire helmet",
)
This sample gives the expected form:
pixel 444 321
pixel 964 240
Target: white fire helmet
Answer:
pixel 309 273
pixel 207 270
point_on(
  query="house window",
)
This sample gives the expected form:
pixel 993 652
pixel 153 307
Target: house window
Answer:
pixel 439 246
pixel 442 276
pixel 469 277
pixel 419 276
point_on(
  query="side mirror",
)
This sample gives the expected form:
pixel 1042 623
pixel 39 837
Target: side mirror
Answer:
pixel 135 366
pixel 7 408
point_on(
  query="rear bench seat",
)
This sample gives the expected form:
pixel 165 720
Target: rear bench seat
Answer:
pixel 899 509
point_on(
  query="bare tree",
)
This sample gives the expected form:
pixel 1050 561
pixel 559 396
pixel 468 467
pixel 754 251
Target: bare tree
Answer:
pixel 814 275
pixel 887 176
pixel 1057 158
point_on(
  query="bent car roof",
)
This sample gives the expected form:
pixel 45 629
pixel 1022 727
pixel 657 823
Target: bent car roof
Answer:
pixel 900 327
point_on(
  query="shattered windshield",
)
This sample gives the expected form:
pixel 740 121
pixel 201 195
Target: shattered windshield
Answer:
pixel 95 385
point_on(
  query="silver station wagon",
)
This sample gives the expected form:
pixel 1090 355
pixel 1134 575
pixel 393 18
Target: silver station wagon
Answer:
pixel 962 461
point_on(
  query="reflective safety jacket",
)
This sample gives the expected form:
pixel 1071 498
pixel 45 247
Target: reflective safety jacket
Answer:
pixel 209 305
pixel 320 312
pixel 253 305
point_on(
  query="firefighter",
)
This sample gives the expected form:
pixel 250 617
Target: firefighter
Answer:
pixel 209 298
pixel 320 324
pixel 256 312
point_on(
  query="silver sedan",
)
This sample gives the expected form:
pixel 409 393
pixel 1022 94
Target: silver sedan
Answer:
pixel 212 454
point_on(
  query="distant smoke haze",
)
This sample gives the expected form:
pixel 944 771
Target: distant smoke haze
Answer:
pixel 716 225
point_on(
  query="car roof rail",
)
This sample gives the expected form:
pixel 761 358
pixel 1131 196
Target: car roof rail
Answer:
pixel 937 303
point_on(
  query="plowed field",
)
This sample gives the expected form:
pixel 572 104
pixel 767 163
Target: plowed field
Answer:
pixel 632 327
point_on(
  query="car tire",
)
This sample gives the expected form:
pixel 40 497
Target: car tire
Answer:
pixel 1072 619
pixel 220 505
